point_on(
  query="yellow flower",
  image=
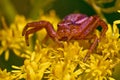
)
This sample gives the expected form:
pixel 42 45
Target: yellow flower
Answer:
pixel 111 43
pixel 52 63
pixel 10 37
pixel 64 62
pixel 6 75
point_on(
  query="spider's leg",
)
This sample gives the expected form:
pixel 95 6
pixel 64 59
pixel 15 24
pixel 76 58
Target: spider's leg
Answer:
pixel 91 48
pixel 103 25
pixel 35 26
pixel 30 25
pixel 27 34
pixel 96 22
pixel 87 27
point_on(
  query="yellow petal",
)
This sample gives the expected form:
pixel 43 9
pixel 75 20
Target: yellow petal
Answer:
pixel 7 55
pixel 1 50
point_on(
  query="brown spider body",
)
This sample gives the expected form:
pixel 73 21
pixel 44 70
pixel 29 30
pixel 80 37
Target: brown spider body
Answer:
pixel 73 26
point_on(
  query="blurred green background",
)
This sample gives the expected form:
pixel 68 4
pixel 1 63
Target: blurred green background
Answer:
pixel 31 10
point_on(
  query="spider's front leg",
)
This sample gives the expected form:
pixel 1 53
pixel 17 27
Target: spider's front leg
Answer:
pixel 94 44
pixel 98 22
pixel 36 26
pixel 103 25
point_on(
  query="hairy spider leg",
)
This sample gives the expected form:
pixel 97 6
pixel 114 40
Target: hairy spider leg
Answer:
pixel 104 27
pixel 86 34
pixel 94 44
pixel 94 23
pixel 36 26
pixel 97 22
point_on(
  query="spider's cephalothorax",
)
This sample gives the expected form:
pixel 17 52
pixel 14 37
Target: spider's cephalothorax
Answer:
pixel 74 26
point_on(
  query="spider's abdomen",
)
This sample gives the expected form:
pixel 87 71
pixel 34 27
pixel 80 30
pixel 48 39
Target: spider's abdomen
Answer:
pixel 76 18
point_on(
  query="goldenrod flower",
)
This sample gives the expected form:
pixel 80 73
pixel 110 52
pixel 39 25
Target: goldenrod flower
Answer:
pixel 111 43
pixel 10 37
pixel 64 62
pixel 4 75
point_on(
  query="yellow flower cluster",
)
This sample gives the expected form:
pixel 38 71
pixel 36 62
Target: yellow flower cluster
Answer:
pixel 10 37
pixel 64 62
